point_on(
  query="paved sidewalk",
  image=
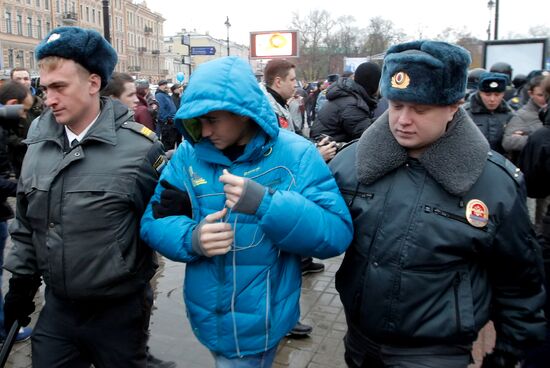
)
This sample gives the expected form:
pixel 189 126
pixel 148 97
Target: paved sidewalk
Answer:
pixel 172 339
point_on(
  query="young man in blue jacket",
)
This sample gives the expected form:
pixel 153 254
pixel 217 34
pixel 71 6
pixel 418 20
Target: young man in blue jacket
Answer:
pixel 254 199
pixel 443 242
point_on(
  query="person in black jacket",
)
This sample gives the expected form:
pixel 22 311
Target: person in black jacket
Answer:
pixel 534 161
pixel 488 109
pixel 443 241
pixel 350 105
pixel 11 93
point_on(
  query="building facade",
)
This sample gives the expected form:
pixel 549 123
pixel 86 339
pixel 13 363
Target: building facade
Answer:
pixel 136 32
pixel 193 48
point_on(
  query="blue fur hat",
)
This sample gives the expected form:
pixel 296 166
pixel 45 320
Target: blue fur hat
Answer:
pixel 425 72
pixel 85 46
pixel 492 82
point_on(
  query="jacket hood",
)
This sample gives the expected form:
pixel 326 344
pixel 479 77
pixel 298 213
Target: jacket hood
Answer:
pixel 455 160
pixel 348 87
pixel 225 84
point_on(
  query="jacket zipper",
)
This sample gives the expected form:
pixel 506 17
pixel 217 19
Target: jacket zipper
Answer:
pixel 356 194
pixel 437 211
pixel 456 285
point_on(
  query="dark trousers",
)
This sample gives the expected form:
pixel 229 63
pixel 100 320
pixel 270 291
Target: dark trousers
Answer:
pixel 169 135
pixel 106 333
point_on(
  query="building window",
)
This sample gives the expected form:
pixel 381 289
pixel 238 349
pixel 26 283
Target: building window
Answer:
pixel 46 4
pixel 19 25
pixel 93 15
pixel 7 17
pixel 48 27
pixel 38 3
pixel 99 16
pixel 87 14
pixel 57 6
pixel 39 28
pixel 31 59
pixel 20 58
pixel 29 26
pixel 10 58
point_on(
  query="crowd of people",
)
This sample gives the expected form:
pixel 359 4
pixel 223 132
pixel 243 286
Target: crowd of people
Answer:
pixel 409 168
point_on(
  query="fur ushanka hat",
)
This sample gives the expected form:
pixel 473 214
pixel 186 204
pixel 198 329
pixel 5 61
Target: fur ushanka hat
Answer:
pixel 492 82
pixel 425 72
pixel 84 46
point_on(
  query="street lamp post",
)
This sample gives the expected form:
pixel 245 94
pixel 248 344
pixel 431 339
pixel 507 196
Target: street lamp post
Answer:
pixel 493 4
pixel 106 22
pixel 227 24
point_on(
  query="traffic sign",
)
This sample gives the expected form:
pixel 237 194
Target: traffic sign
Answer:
pixel 203 50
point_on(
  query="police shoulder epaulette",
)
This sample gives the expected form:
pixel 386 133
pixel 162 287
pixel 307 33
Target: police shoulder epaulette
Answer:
pixel 141 129
pixel 347 144
pixel 511 169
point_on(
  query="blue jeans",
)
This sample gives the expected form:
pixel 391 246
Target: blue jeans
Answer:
pixel 261 360
pixel 3 238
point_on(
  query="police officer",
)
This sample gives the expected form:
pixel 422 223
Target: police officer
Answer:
pixel 488 109
pixel 85 182
pixel 442 242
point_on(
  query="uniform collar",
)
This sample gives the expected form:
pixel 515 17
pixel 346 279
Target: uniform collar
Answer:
pixel 112 114
pixel 455 160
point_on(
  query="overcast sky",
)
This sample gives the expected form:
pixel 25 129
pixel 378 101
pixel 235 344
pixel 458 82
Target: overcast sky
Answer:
pixel 414 17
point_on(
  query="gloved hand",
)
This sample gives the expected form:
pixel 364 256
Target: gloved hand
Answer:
pixel 499 359
pixel 173 202
pixel 18 302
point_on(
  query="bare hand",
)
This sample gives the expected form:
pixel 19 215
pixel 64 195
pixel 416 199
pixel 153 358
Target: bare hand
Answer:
pixel 216 237
pixel 233 188
pixel 327 150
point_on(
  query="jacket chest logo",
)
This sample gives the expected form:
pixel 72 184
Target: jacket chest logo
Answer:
pixel 477 213
pixel 196 179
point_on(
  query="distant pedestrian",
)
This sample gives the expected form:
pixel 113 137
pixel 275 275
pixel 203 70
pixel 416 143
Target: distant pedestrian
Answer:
pixel 17 148
pixel 350 105
pixel 176 90
pixel 168 132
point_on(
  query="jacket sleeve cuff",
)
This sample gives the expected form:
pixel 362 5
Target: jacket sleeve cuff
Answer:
pixel 195 240
pixel 250 199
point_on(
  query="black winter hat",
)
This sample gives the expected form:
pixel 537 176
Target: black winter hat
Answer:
pixel 493 82
pixel 368 75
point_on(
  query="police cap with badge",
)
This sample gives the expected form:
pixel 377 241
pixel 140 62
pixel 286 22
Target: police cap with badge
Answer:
pixel 84 46
pixel 493 82
pixel 425 72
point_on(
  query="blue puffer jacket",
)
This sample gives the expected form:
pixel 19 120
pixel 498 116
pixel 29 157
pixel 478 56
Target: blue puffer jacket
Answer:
pixel 244 302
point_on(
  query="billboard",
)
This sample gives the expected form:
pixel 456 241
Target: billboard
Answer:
pixel 523 55
pixel 273 44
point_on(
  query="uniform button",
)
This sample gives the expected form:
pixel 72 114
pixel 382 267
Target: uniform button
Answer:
pixel 77 154
pixel 51 224
pixel 375 264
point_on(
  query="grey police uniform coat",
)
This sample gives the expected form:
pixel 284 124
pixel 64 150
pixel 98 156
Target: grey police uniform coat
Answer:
pixel 422 270
pixel 78 209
